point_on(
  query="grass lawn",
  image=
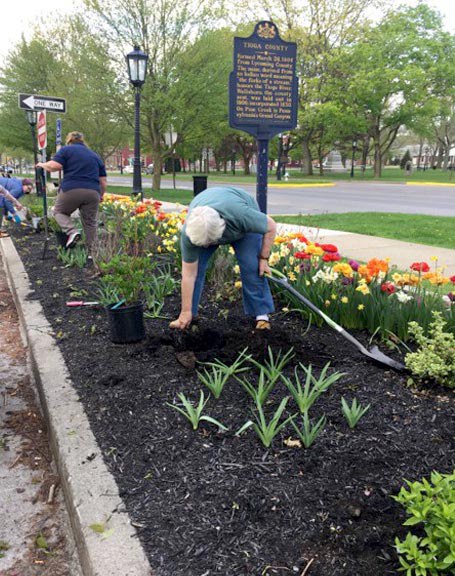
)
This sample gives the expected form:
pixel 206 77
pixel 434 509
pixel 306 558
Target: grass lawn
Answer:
pixel 429 230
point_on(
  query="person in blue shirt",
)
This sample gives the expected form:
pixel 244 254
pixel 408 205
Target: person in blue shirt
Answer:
pixel 82 187
pixel 11 189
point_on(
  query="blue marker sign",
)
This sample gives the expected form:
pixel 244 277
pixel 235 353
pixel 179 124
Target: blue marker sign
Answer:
pixel 58 134
pixel 263 92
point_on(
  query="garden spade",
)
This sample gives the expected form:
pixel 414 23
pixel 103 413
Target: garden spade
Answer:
pixel 374 353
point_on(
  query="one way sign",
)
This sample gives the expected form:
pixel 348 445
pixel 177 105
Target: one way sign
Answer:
pixel 33 102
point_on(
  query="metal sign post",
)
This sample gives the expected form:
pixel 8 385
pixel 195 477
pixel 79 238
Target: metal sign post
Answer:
pixel 263 92
pixel 38 105
pixel 42 144
pixel 58 144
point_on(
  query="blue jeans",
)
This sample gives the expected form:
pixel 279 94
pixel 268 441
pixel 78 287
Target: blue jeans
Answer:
pixel 257 298
pixel 5 207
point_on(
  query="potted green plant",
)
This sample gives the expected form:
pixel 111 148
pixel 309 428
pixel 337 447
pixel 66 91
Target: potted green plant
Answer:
pixel 120 291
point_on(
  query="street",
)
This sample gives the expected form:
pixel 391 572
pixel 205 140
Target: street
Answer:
pixel 345 196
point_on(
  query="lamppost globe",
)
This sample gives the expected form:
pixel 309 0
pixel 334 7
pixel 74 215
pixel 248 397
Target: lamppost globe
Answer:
pixel 137 69
pixel 31 117
pixel 137 66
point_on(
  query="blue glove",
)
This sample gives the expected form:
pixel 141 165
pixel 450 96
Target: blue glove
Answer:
pixel 17 219
pixel 9 217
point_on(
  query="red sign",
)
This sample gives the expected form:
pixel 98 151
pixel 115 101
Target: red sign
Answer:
pixel 42 130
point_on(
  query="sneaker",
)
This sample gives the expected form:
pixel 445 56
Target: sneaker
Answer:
pixel 263 325
pixel 73 239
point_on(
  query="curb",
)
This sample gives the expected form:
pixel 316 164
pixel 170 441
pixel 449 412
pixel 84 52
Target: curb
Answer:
pixel 91 494
pixel 449 184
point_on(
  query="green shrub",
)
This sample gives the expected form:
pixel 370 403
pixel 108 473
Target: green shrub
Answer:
pixel 432 507
pixel 435 357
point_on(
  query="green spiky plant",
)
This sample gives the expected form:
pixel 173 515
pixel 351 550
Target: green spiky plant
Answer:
pixel 194 413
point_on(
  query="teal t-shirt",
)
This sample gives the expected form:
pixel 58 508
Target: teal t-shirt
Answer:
pixel 239 210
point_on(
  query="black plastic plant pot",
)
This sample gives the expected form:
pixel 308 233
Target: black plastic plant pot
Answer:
pixel 62 238
pixel 126 323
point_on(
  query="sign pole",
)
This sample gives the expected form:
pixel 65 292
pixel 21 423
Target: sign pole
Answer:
pixel 262 175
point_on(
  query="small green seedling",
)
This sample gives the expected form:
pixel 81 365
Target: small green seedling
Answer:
pixel 220 373
pixel 267 431
pixel 194 414
pixel 354 412
pixel 309 432
pixel 305 396
pixel 273 367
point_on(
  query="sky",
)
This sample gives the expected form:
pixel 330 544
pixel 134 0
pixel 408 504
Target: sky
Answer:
pixel 19 16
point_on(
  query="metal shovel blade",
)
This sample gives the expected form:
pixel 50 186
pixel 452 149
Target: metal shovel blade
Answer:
pixel 374 353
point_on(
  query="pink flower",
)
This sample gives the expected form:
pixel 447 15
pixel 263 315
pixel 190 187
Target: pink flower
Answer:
pixel 354 265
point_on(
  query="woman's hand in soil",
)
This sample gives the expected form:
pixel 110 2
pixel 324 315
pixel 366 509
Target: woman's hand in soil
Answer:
pixel 182 322
pixel 264 267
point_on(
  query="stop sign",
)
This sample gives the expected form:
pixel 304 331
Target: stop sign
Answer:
pixel 42 130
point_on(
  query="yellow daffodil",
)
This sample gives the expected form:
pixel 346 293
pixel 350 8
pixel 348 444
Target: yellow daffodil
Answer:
pixel 344 299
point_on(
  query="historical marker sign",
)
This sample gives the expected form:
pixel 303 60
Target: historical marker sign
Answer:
pixel 263 92
pixel 263 86
pixel 34 102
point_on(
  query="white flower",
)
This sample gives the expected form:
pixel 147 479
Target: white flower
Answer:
pixel 326 275
pixel 447 301
pixel 403 297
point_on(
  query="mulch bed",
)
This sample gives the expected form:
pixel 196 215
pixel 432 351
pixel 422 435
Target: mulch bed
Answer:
pixel 206 502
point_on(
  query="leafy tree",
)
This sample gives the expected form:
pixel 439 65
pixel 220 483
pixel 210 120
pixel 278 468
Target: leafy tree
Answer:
pixel 164 30
pixel 395 74
pixel 64 61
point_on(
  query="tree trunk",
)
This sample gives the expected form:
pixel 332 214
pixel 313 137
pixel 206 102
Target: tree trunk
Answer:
pixel 365 150
pixel 157 168
pixel 420 154
pixel 246 164
pixel 377 160
pixel 307 164
pixel 445 165
pixel 440 157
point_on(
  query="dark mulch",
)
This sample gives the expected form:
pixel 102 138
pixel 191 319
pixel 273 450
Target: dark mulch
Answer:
pixel 208 503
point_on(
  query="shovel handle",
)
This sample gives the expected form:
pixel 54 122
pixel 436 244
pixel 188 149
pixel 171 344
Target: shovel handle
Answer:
pixel 74 303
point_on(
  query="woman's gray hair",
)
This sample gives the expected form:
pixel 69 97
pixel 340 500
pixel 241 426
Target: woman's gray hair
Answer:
pixel 204 226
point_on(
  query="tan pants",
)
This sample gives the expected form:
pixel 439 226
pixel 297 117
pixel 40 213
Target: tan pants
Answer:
pixel 87 201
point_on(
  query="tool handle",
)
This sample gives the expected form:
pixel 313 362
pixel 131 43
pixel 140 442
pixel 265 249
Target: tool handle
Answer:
pixel 81 303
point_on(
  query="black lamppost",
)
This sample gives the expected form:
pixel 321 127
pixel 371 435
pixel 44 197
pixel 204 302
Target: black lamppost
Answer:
pixel 354 148
pixel 137 69
pixel 280 154
pixel 32 120
pixel 233 161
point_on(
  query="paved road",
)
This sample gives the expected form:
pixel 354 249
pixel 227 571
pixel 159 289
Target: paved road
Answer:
pixel 344 197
